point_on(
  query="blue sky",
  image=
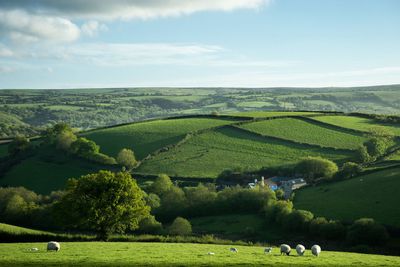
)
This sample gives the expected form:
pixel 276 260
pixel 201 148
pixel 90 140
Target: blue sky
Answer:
pixel 230 43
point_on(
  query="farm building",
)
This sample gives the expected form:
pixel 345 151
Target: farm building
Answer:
pixel 289 186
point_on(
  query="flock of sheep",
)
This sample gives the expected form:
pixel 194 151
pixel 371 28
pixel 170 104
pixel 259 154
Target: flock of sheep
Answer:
pixel 285 249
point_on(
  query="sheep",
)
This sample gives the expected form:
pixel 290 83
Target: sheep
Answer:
pixel 285 249
pixel 267 250
pixel 53 245
pixel 233 250
pixel 210 253
pixel 300 249
pixel 34 249
pixel 316 250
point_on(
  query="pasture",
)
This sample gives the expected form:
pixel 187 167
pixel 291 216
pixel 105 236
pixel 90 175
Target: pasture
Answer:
pixel 266 114
pixel 44 176
pixel 174 254
pixel 357 123
pixel 373 195
pixel 147 137
pixel 208 154
pixel 305 132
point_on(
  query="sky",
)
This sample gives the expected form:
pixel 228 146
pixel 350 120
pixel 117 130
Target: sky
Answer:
pixel 198 43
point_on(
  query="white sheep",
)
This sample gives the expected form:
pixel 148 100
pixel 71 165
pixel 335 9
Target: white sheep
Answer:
pixel 211 253
pixel 233 250
pixel 316 250
pixel 285 249
pixel 300 249
pixel 53 245
pixel 267 250
pixel 34 249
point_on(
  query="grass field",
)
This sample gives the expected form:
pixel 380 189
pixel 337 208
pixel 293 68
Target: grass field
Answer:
pixel 43 176
pixel 16 230
pixel 146 137
pixel 236 226
pixel 374 195
pixel 263 114
pixel 208 154
pixel 174 254
pixel 357 123
pixel 304 132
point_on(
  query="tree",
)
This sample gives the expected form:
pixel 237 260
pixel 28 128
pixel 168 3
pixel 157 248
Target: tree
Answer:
pixel 18 145
pixel 362 154
pixel 161 185
pixel 180 226
pixel 84 147
pixel 65 139
pixel 316 167
pixel 349 169
pixel 126 158
pixel 105 202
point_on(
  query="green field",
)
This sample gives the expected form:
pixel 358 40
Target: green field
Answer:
pixel 357 123
pixel 208 154
pixel 16 230
pixel 174 254
pixel 147 137
pixel 265 114
pixel 235 226
pixel 304 132
pixel 43 176
pixel 374 195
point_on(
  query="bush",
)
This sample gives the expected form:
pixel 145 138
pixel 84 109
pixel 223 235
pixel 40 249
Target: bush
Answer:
pixel 366 231
pixel 298 220
pixel 126 158
pixel 349 170
pixel 180 226
pixel 101 158
pixel 316 167
pixel 161 185
pixel 150 225
pixel 277 210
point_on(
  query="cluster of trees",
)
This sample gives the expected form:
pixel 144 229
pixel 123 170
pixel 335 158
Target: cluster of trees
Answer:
pixel 380 140
pixel 63 137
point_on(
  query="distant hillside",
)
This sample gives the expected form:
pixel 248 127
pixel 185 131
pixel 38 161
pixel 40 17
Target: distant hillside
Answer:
pixel 93 108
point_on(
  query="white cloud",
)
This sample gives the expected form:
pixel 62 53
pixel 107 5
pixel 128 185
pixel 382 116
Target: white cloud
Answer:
pixel 21 26
pixel 93 27
pixel 5 51
pixel 129 9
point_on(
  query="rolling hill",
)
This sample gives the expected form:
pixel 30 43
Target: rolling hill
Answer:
pixel 201 146
pixel 373 195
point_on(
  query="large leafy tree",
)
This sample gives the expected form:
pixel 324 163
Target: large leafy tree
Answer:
pixel 105 202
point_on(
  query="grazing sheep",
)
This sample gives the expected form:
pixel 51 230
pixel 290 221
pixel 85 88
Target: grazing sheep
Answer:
pixel 211 253
pixel 285 249
pixel 233 250
pixel 53 245
pixel 300 249
pixel 316 250
pixel 267 250
pixel 34 249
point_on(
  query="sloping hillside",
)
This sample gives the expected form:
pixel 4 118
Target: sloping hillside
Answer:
pixel 373 195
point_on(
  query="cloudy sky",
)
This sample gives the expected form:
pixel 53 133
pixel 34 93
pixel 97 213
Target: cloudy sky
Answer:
pixel 239 43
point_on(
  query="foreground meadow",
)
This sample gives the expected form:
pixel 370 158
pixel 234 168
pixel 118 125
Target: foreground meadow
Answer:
pixel 174 254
